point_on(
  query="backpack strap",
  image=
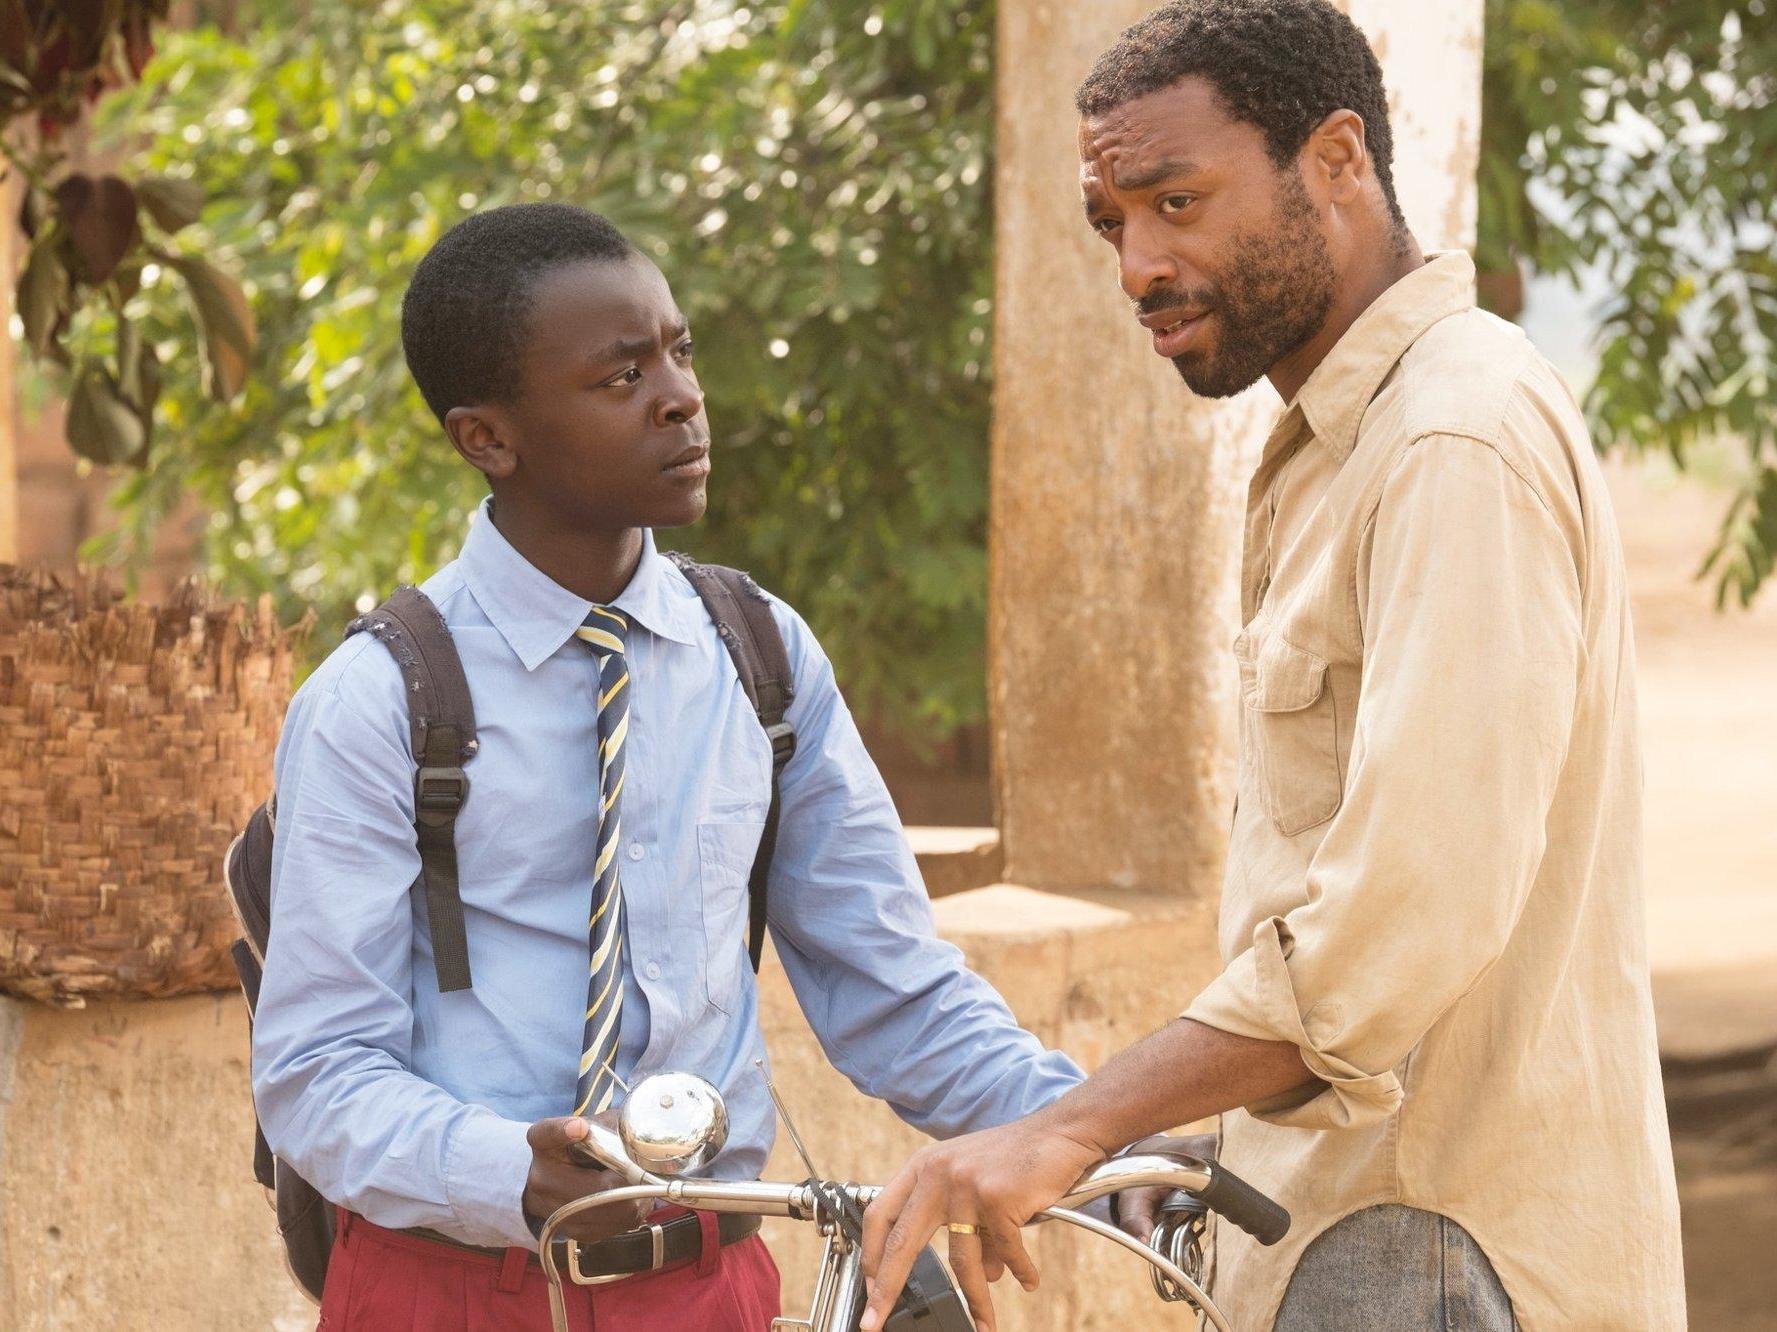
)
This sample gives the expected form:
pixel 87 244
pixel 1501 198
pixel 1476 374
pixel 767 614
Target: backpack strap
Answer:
pixel 749 631
pixel 441 717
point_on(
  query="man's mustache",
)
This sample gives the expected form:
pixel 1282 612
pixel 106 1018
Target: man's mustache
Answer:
pixel 1155 302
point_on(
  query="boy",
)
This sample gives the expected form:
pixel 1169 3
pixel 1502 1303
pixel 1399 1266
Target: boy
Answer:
pixel 561 368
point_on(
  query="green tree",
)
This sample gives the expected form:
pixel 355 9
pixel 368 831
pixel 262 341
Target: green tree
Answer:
pixel 90 237
pixel 812 177
pixel 1642 140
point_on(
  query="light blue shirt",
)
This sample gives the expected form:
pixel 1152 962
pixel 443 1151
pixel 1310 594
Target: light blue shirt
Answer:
pixel 410 1106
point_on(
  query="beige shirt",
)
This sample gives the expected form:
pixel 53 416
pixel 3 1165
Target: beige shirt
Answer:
pixel 1434 879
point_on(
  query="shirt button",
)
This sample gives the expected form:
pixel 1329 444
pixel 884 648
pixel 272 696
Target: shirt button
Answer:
pixel 635 851
pixel 653 970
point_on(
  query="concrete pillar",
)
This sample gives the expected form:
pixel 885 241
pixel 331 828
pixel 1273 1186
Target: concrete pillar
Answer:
pixel 1116 495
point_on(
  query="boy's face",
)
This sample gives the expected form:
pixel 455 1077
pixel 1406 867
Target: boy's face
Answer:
pixel 607 427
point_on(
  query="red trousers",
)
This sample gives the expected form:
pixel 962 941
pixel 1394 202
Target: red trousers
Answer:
pixel 383 1281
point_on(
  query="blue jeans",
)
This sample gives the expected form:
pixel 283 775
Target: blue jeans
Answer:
pixel 1398 1268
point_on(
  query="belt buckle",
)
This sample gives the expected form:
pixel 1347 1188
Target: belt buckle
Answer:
pixel 657 1238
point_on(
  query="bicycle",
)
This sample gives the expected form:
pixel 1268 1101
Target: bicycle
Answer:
pixel 675 1123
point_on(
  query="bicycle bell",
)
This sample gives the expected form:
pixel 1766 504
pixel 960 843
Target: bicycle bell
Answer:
pixel 673 1123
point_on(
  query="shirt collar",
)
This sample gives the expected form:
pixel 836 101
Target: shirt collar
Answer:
pixel 536 615
pixel 1340 388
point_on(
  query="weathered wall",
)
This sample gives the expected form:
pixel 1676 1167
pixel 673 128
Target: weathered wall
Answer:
pixel 126 1195
pixel 9 511
pixel 1431 60
pixel 126 1190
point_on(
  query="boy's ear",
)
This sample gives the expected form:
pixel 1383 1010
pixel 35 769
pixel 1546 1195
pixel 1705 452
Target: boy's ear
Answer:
pixel 480 437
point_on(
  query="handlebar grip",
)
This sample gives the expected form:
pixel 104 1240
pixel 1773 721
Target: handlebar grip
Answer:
pixel 1243 1205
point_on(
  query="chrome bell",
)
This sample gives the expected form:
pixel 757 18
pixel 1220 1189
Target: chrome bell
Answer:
pixel 673 1123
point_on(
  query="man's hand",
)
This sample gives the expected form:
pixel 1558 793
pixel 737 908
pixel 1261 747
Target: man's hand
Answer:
pixel 1138 1210
pixel 1184 1072
pixel 996 1180
pixel 557 1178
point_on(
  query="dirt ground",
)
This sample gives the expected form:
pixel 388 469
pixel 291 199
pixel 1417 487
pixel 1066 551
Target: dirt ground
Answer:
pixel 1728 1202
pixel 1709 709
pixel 1709 727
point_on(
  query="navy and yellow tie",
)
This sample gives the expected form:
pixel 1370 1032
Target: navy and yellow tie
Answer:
pixel 605 630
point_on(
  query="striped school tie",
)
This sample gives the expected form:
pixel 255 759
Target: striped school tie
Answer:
pixel 604 631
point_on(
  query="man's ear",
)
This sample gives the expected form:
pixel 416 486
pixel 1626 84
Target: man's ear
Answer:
pixel 1337 157
pixel 480 436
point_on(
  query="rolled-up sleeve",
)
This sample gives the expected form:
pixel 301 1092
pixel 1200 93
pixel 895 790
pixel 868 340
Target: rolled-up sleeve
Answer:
pixel 895 1008
pixel 333 1034
pixel 1471 619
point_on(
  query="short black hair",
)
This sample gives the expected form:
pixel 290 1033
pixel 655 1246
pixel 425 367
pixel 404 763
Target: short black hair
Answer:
pixel 467 310
pixel 1282 66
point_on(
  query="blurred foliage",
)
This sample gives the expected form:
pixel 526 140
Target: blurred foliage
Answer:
pixel 813 179
pixel 88 243
pixel 1641 140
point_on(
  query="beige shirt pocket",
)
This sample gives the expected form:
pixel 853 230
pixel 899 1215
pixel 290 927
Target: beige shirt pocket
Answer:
pixel 1291 732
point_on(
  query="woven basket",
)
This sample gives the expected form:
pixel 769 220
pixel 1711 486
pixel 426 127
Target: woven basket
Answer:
pixel 134 741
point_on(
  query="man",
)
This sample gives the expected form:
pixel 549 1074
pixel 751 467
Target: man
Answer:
pixel 1433 1040
pixel 617 800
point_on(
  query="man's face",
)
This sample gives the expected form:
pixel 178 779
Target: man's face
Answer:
pixel 1222 251
pixel 608 422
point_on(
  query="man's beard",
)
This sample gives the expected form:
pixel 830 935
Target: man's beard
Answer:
pixel 1275 296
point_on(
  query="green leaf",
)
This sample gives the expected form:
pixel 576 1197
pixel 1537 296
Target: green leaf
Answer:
pixel 1676 217
pixel 99 215
pixel 34 209
pixel 138 370
pixel 101 425
pixel 174 203
pixel 43 290
pixel 226 320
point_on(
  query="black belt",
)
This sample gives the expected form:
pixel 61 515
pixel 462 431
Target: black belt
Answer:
pixel 646 1249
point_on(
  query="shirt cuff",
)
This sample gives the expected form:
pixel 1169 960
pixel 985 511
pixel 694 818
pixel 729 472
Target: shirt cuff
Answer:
pixel 484 1179
pixel 1255 997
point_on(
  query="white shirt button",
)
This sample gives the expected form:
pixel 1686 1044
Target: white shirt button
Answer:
pixel 653 970
pixel 635 851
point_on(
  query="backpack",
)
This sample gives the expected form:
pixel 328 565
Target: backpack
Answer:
pixel 442 721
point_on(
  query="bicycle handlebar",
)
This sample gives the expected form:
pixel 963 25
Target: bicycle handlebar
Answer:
pixel 1244 1206
pixel 797 1201
pixel 1220 1189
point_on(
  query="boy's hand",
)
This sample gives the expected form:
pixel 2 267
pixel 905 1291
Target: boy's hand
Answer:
pixel 557 1178
pixel 1139 1209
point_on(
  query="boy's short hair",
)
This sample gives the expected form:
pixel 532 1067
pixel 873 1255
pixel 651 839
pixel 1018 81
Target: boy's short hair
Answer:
pixel 467 310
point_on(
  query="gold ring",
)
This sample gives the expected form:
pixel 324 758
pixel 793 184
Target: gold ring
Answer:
pixel 964 1228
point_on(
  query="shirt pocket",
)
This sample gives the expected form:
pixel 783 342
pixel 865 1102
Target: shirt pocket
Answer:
pixel 725 852
pixel 1291 730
